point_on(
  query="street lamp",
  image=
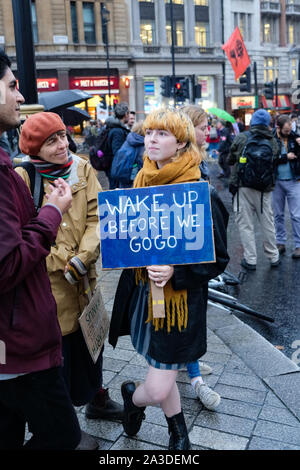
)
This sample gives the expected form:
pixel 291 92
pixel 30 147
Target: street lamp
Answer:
pixel 105 18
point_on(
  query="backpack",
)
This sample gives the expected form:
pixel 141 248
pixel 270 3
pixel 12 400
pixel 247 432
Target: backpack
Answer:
pixel 100 154
pixel 125 160
pixel 36 184
pixel 256 167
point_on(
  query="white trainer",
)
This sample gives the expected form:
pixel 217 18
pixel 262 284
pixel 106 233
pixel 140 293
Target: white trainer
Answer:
pixel 205 369
pixel 207 396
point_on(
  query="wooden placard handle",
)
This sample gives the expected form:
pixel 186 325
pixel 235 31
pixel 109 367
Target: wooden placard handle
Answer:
pixel 158 301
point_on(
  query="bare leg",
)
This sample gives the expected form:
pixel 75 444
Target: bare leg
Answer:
pixel 159 388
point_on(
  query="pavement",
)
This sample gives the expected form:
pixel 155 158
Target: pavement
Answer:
pixel 258 384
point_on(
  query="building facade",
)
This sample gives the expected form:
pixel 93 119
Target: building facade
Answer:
pixel 70 48
pixel 271 30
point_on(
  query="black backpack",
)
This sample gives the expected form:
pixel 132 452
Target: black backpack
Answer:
pixel 36 184
pixel 100 154
pixel 256 164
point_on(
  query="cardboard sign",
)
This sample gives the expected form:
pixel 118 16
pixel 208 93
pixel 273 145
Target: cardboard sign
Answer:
pixel 157 225
pixel 94 323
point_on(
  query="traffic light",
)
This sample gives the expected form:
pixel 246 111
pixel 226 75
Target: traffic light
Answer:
pixel 198 91
pixel 102 102
pixel 182 88
pixel 269 90
pixel 165 86
pixel 245 81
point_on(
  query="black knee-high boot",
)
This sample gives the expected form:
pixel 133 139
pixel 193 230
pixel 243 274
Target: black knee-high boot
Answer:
pixel 179 439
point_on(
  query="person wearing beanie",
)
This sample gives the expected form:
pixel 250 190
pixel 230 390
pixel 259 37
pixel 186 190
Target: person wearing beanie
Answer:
pixel 171 157
pixel 249 197
pixel 72 257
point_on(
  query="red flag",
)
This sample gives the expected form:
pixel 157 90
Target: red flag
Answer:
pixel 237 53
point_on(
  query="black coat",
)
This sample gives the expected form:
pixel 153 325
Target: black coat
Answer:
pixel 190 344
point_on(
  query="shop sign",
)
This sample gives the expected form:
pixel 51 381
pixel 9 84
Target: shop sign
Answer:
pixel 246 102
pixel 47 84
pixel 94 83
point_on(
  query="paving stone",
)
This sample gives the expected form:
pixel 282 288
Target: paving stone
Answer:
pixel 279 432
pixel 137 372
pixel 138 360
pixel 222 422
pixel 218 348
pixel 119 379
pixel 100 428
pixel 236 365
pixel 273 400
pixel 238 408
pixel 154 434
pixel 258 443
pixel 242 380
pixel 215 357
pixel 114 365
pixel 107 377
pixel 191 405
pixel 216 440
pixel 125 343
pixel 122 354
pixel 242 394
pixel 278 415
pixel 287 388
pixel 133 444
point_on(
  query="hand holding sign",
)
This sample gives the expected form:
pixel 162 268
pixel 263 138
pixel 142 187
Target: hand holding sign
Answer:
pixel 160 274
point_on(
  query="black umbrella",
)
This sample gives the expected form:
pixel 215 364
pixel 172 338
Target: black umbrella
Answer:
pixel 56 100
pixel 73 116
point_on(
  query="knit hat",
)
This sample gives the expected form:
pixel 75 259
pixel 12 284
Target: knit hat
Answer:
pixel 36 129
pixel 260 118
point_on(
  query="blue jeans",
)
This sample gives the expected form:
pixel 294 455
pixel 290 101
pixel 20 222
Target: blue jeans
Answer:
pixel 287 190
pixel 193 369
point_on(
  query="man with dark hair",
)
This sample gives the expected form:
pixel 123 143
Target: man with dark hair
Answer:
pixel 131 119
pixel 287 187
pixel 32 388
pixel 117 134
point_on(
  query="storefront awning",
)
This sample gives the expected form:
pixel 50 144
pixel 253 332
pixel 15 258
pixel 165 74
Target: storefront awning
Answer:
pixel 283 103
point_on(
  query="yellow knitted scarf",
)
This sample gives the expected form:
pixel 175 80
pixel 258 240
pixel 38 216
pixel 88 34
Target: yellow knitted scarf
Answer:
pixel 183 170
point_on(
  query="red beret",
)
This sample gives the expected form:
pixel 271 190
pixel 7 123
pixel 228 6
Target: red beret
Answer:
pixel 36 129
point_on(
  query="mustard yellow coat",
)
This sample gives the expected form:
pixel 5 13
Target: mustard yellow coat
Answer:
pixel 78 235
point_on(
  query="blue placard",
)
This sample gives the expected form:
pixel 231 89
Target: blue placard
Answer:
pixel 160 225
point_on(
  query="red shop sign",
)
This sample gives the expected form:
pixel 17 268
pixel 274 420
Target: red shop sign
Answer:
pixel 93 83
pixel 47 84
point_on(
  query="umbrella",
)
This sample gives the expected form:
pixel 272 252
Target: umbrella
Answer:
pixel 56 100
pixel 73 116
pixel 221 114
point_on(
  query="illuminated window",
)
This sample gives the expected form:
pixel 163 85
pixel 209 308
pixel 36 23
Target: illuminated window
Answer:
pixel 179 33
pixel 271 69
pixel 179 2
pixel 202 3
pixel 294 69
pixel 202 34
pixel 244 23
pixel 147 32
pixel 291 34
pixel 89 22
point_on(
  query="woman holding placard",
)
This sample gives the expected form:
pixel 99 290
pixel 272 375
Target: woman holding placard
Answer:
pixel 168 344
